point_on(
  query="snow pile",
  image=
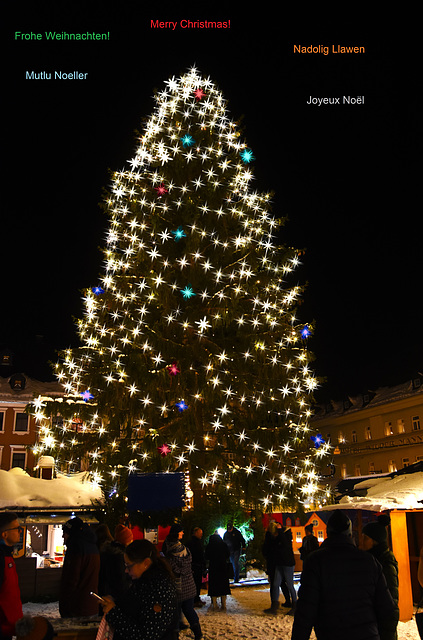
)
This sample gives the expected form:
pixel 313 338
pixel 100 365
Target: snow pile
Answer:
pixel 244 618
pixel 401 492
pixel 18 489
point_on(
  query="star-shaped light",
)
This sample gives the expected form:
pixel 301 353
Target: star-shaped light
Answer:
pixel 173 369
pixel 164 449
pixel 86 395
pixel 179 233
pixel 318 440
pixel 199 93
pixel 161 190
pixel 305 333
pixel 187 140
pixel 203 324
pixel 182 405
pixel 247 156
pixel 97 290
pixel 188 292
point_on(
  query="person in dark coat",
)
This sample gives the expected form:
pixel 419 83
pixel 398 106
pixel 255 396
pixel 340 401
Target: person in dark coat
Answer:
pixel 180 560
pixel 112 579
pixel 81 567
pixel 279 555
pixel 236 543
pixel 272 551
pixel 343 592
pixel 195 545
pixel 10 595
pixel 310 543
pixel 375 541
pixel 149 609
pixel 217 554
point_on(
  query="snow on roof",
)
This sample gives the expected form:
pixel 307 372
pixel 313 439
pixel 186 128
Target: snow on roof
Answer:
pixel 19 490
pixel 30 389
pixel 400 492
pixel 369 482
pixel 369 399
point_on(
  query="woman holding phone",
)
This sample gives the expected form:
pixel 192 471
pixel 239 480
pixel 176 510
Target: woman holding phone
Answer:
pixel 148 610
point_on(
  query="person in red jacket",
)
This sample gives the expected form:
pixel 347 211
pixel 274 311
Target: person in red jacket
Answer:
pixel 10 595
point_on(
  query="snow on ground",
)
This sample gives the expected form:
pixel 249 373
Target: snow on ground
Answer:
pixel 244 618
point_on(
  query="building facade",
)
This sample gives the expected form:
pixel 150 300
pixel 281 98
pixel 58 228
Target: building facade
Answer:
pixel 18 432
pixel 375 432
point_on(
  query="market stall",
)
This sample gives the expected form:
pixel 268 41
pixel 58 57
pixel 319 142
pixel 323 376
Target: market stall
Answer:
pixel 42 506
pixel 401 496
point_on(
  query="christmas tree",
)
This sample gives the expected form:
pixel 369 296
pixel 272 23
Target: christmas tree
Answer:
pixel 192 358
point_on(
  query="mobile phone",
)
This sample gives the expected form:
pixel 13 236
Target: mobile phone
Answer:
pixel 97 596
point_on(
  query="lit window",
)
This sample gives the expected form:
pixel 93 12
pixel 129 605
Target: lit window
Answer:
pixel 368 433
pixel 388 429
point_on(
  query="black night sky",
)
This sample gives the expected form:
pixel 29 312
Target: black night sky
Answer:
pixel 345 176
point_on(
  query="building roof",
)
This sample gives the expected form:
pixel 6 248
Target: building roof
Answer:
pixel 369 399
pixel 19 387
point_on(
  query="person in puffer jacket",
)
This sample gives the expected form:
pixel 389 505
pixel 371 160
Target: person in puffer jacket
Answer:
pixel 375 541
pixel 180 560
pixel 343 592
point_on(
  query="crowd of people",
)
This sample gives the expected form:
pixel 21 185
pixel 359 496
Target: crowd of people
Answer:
pixel 345 591
pixel 136 590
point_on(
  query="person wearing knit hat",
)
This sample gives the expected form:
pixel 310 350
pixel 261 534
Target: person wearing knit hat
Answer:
pixel 377 532
pixel 310 543
pixel 375 541
pixel 36 628
pixel 343 592
pixel 123 535
pixel 72 526
pixel 339 523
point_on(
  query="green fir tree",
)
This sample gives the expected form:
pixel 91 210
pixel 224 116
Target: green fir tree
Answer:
pixel 192 358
